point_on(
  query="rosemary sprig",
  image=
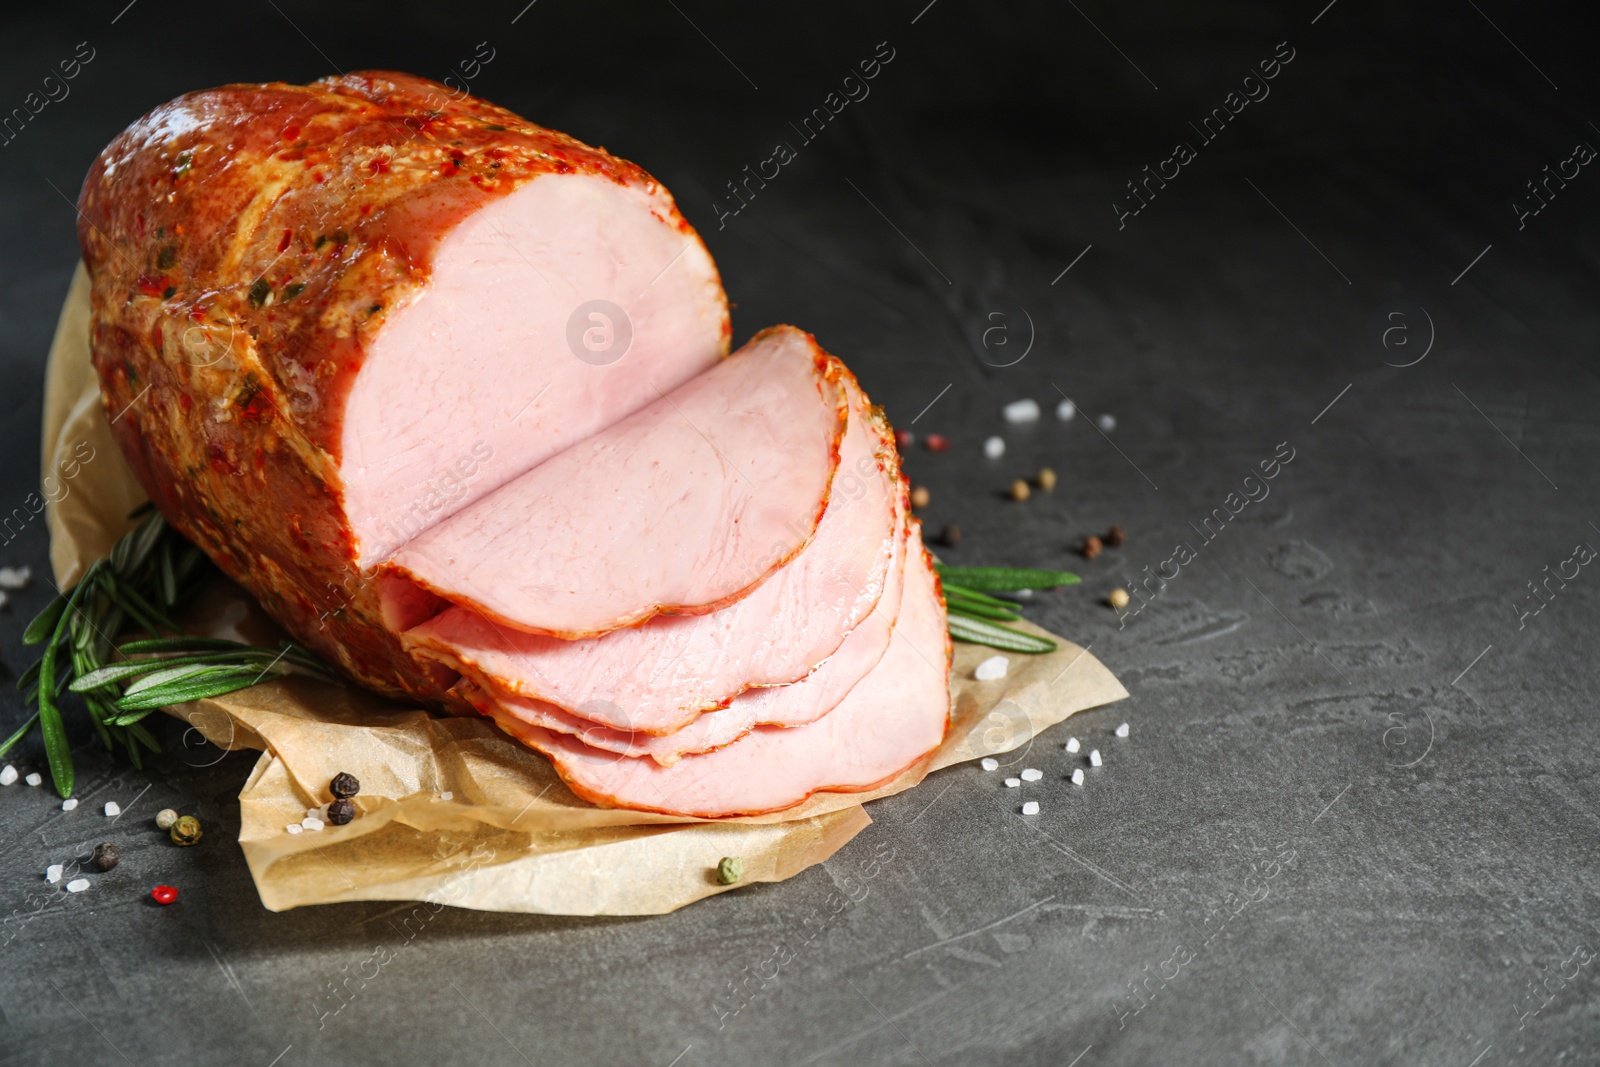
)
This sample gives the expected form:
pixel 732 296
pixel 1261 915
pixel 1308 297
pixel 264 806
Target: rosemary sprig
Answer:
pixel 151 572
pixel 975 616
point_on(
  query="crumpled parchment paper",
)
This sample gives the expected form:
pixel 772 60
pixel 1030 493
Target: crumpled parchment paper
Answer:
pixel 451 810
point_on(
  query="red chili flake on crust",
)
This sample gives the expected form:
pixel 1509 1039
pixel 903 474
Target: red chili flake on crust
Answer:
pixel 291 132
pixel 152 285
pixel 184 402
pixel 284 242
pixel 450 168
pixel 217 456
pixel 379 165
pixel 317 177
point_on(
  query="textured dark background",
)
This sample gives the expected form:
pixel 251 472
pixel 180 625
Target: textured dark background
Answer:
pixel 1356 820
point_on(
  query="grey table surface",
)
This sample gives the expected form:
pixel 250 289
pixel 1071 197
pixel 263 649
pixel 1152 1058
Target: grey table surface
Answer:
pixel 1355 820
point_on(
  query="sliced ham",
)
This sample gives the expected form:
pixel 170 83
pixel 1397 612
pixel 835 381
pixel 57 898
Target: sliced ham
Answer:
pixel 892 718
pixel 655 678
pixel 680 508
pixel 796 704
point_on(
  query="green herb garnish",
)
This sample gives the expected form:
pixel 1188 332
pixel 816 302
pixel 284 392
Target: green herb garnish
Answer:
pixel 979 632
pixel 974 616
pixel 1005 579
pixel 151 572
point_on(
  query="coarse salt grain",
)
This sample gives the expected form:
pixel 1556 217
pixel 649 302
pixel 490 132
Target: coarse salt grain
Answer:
pixel 1108 423
pixel 311 824
pixel 989 763
pixel 1012 783
pixel 1077 776
pixel 35 779
pixel 317 813
pixel 113 809
pixel 77 885
pixel 1072 744
pixel 991 668
pixel 69 803
pixel 447 796
pixel 1031 808
pixel 293 828
pixel 53 873
pixel 994 448
pixel 1032 774
pixel 1065 410
pixel 14 578
pixel 1024 410
pixel 1094 757
pixel 8 775
pixel 1122 731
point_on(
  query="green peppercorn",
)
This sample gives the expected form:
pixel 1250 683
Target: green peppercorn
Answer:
pixel 106 856
pixel 344 785
pixel 186 831
pixel 730 869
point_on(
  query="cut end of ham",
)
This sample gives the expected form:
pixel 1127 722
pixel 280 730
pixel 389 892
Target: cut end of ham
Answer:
pixel 549 313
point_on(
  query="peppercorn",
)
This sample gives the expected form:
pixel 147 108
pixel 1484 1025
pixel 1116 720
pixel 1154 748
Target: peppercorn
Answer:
pixel 341 811
pixel 950 536
pixel 1020 490
pixel 920 497
pixel 904 438
pixel 165 818
pixel 163 894
pixel 1091 547
pixel 106 856
pixel 1116 537
pixel 344 785
pixel 935 442
pixel 1046 479
pixel 729 870
pixel 186 831
pixel 1118 598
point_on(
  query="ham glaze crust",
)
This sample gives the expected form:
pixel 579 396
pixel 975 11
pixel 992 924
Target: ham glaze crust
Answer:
pixel 247 246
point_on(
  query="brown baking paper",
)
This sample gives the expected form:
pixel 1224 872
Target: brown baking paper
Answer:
pixel 451 810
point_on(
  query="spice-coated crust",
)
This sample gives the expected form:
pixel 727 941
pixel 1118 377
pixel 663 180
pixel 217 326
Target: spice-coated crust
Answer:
pixel 244 246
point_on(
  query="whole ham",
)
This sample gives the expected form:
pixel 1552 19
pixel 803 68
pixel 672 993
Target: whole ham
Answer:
pixel 450 394
pixel 327 317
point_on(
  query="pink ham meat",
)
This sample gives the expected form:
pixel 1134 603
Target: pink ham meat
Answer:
pixel 682 507
pixel 796 704
pixel 657 677
pixel 891 719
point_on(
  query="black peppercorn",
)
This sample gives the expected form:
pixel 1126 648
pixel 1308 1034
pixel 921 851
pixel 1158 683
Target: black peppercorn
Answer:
pixel 106 856
pixel 341 811
pixel 344 785
pixel 950 536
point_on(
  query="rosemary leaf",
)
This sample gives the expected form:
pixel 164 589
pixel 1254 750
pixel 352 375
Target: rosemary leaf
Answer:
pixel 22 731
pixel 975 610
pixel 197 688
pixel 978 632
pixel 1005 579
pixel 44 623
pixel 972 594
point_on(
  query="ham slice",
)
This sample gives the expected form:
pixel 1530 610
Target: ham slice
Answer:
pixel 655 678
pixel 893 717
pixel 681 508
pixel 796 704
